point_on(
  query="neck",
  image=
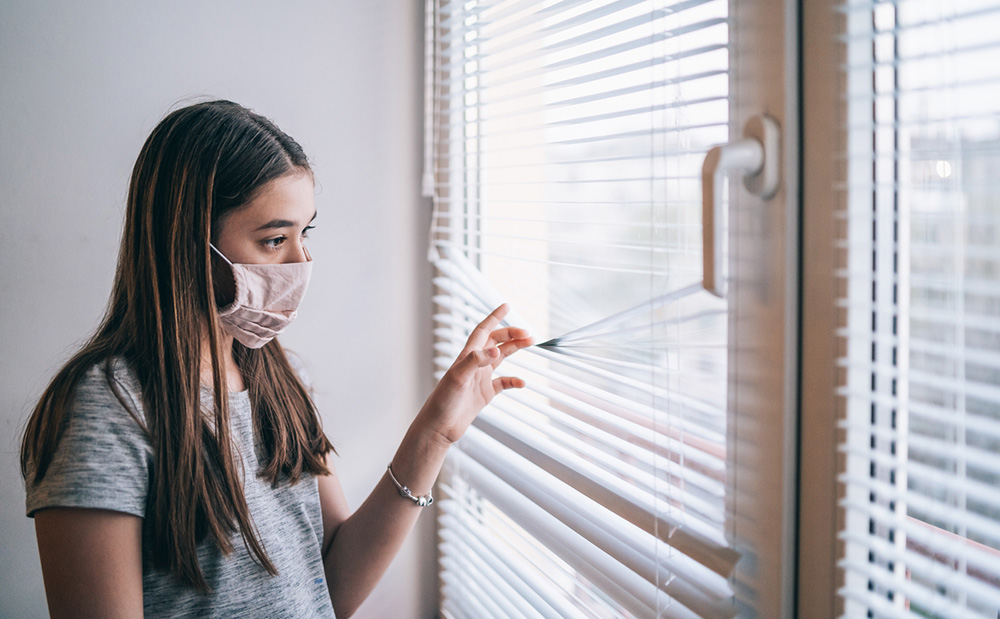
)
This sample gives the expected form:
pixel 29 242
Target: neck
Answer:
pixel 234 379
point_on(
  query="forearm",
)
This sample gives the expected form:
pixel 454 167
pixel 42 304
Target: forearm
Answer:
pixel 363 544
pixel 366 542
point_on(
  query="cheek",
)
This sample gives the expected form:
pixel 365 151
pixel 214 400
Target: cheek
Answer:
pixel 235 244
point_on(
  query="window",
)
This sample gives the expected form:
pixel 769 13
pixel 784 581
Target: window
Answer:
pixel 569 139
pixel 922 308
pixel 650 467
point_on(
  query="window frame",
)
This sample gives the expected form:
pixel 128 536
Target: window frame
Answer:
pixel 787 560
pixel 819 518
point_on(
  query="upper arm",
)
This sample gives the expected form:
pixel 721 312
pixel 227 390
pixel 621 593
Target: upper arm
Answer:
pixel 91 562
pixel 102 459
pixel 332 503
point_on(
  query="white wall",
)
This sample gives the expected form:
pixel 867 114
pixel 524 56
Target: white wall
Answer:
pixel 83 83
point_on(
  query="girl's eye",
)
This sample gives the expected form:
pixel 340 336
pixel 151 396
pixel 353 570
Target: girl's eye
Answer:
pixel 274 243
pixel 305 231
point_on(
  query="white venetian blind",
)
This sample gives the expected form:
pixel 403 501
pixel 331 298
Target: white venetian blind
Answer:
pixel 922 306
pixel 567 143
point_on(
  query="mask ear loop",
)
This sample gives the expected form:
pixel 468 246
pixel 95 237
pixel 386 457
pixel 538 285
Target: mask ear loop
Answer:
pixel 228 292
pixel 305 250
pixel 221 255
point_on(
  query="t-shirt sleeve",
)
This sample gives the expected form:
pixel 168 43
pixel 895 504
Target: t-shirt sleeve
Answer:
pixel 102 459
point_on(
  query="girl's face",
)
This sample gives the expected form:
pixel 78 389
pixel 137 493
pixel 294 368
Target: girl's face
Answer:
pixel 271 228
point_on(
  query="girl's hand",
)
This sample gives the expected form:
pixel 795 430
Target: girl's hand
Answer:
pixel 469 385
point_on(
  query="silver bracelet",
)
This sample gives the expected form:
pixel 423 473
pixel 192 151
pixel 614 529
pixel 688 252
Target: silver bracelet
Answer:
pixel 420 501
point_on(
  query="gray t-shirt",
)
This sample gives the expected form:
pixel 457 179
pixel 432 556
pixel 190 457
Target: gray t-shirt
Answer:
pixel 104 460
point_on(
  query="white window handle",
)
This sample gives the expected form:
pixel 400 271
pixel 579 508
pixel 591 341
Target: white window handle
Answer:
pixel 757 156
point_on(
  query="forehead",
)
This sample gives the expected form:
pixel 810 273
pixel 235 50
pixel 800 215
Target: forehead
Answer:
pixel 290 197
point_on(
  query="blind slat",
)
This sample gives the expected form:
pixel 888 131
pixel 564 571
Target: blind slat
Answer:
pixel 663 487
pixel 630 506
pixel 941 448
pixel 488 45
pixel 546 142
pixel 959 385
pixel 942 545
pixel 623 585
pixel 637 565
pixel 625 543
pixel 544 605
pixel 463 78
pixel 587 119
pixel 927 600
pixel 529 97
pixel 929 569
pixel 932 477
pixel 498 590
pixel 930 505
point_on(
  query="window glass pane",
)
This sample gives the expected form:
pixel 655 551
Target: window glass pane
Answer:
pixel 923 307
pixel 569 143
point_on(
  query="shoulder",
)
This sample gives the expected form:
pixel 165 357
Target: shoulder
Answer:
pixel 114 374
pixel 108 395
pixel 105 408
pixel 103 452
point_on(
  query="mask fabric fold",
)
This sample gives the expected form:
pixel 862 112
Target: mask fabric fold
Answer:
pixel 267 297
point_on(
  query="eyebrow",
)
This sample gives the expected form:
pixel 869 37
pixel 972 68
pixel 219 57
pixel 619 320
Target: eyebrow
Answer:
pixel 281 223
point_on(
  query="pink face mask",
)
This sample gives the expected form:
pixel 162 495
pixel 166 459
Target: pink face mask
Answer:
pixel 267 297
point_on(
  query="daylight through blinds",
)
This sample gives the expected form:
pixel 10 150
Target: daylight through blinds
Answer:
pixel 921 300
pixel 568 138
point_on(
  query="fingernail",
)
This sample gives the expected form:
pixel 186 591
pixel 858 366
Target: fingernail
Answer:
pixel 492 352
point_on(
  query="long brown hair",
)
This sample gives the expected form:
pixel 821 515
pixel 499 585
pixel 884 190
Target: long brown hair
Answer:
pixel 200 163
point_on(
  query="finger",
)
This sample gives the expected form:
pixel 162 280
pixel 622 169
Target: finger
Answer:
pixel 481 334
pixel 509 333
pixel 476 359
pixel 509 348
pixel 507 382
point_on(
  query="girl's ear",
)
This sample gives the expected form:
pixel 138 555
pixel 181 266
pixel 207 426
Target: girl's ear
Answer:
pixel 223 282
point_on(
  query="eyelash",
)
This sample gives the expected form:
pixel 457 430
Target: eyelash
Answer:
pixel 276 242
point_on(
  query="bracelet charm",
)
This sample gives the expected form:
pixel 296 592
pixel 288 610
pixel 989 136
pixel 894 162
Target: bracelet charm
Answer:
pixel 419 501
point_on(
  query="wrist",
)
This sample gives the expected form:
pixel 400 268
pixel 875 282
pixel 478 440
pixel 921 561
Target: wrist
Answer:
pixel 418 460
pixel 432 435
pixel 423 500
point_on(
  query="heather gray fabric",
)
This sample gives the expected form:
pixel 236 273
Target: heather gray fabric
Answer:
pixel 104 461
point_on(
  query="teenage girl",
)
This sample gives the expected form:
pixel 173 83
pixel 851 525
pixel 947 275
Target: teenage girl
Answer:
pixel 176 467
